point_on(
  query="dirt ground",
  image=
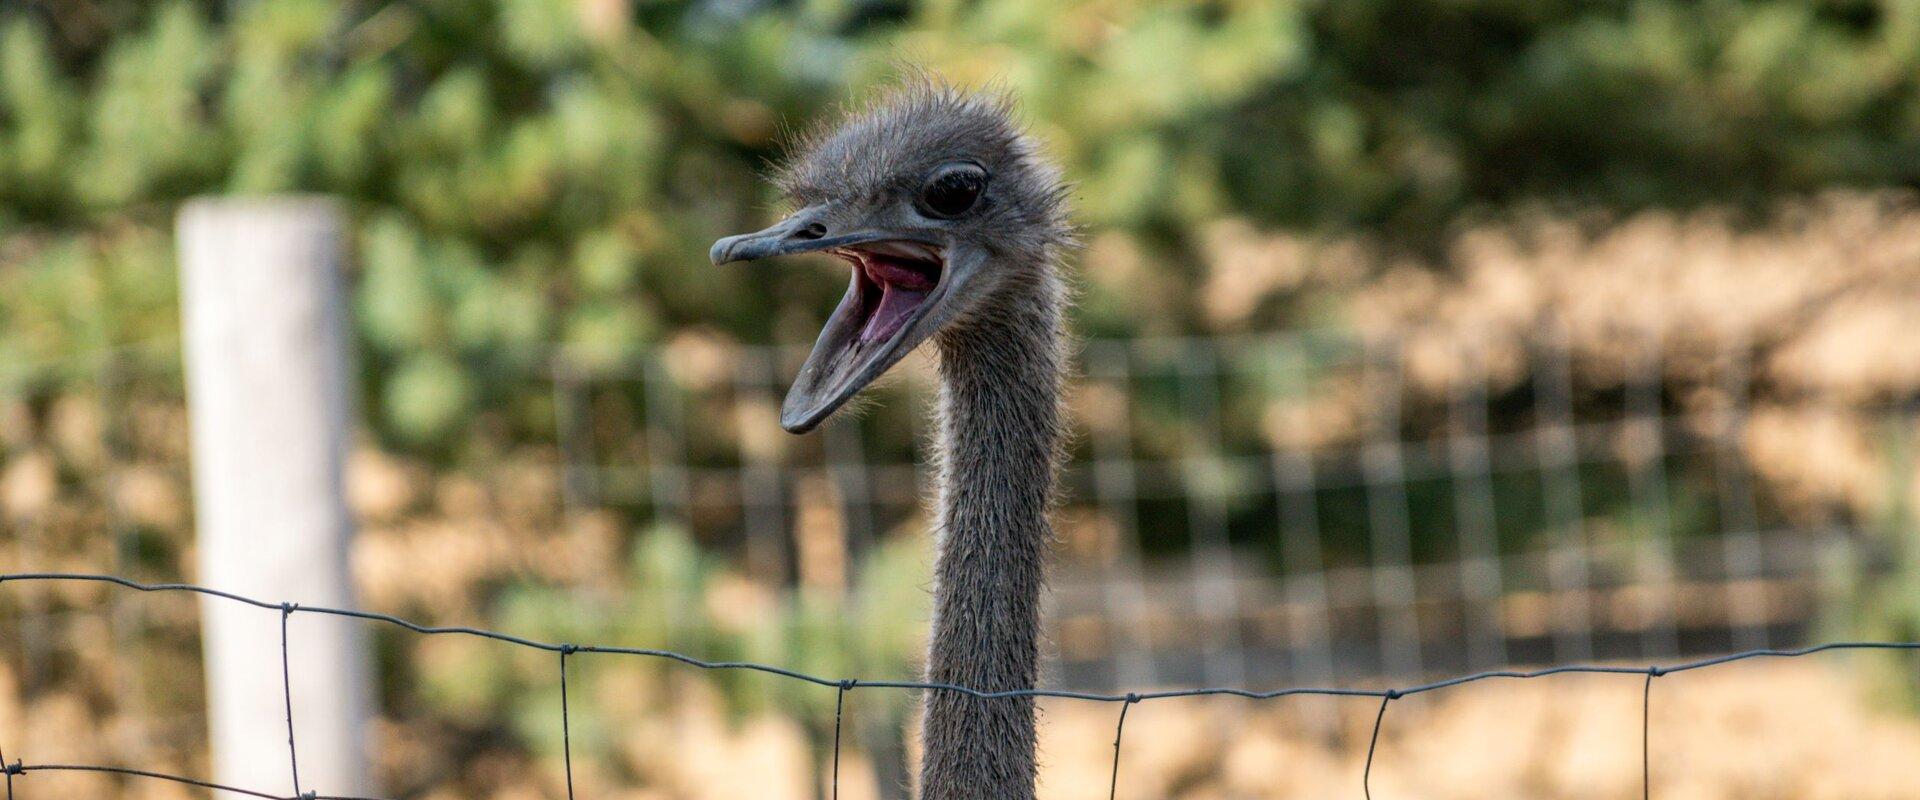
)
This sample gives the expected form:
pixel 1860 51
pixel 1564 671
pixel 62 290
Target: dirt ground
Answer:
pixel 1806 729
pixel 1803 729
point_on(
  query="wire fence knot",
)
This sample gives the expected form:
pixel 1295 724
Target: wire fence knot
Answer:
pixel 847 684
pixel 309 795
pixel 288 608
pixel 1133 697
pixel 15 768
pixel 1656 671
pixel 1395 694
pixel 568 649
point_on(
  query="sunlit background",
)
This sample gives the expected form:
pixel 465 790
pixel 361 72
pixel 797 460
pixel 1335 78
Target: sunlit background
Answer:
pixel 1416 338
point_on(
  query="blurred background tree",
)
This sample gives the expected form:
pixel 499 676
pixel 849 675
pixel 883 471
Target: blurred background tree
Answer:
pixel 540 171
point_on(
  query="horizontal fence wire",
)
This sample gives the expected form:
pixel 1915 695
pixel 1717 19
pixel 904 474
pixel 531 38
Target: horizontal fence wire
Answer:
pixel 11 769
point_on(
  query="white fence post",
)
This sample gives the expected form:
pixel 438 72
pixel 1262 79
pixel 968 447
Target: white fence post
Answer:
pixel 265 342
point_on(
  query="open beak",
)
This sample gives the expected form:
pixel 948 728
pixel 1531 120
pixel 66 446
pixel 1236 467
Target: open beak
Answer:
pixel 897 297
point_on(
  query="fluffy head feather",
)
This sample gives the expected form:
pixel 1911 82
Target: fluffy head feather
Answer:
pixel 883 152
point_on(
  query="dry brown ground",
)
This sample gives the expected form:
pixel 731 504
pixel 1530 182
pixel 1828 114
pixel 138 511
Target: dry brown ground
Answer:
pixel 1804 730
pixel 1752 731
pixel 1779 730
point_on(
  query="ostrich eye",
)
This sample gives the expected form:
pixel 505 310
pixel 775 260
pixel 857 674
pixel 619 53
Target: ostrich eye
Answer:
pixel 953 190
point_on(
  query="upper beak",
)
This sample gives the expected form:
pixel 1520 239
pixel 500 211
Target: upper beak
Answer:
pixel 801 233
pixel 853 348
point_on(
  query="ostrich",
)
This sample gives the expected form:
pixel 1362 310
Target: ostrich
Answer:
pixel 954 226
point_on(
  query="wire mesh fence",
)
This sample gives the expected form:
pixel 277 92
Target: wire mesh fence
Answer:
pixel 844 686
pixel 1293 505
pixel 1301 509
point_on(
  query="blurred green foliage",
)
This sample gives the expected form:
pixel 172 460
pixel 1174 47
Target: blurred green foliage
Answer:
pixel 531 172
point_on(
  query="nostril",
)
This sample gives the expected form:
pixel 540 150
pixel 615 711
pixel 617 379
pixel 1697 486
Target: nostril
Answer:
pixel 813 230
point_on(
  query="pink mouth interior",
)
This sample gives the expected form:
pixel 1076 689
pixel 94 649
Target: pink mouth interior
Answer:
pixel 892 288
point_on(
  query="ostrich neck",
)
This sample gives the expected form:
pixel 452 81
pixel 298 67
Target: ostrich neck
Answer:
pixel 999 429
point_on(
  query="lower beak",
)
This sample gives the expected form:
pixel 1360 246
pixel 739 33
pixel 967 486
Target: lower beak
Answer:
pixel 887 311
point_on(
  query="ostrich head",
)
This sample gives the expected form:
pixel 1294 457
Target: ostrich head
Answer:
pixel 943 209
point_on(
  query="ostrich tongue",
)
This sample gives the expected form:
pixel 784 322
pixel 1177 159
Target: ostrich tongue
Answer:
pixel 902 284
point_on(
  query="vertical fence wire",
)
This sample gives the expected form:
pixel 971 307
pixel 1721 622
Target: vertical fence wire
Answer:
pixel 1119 730
pixel 1203 479
pixel 1646 732
pixel 846 465
pixel 1383 467
pixel 116 371
pixel 286 688
pixel 761 477
pixel 1474 511
pixel 1373 743
pixel 1116 489
pixel 839 705
pixel 1557 454
pixel 1739 511
pixel 669 464
pixel 1647 493
pixel 1303 572
pixel 566 724
pixel 572 433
